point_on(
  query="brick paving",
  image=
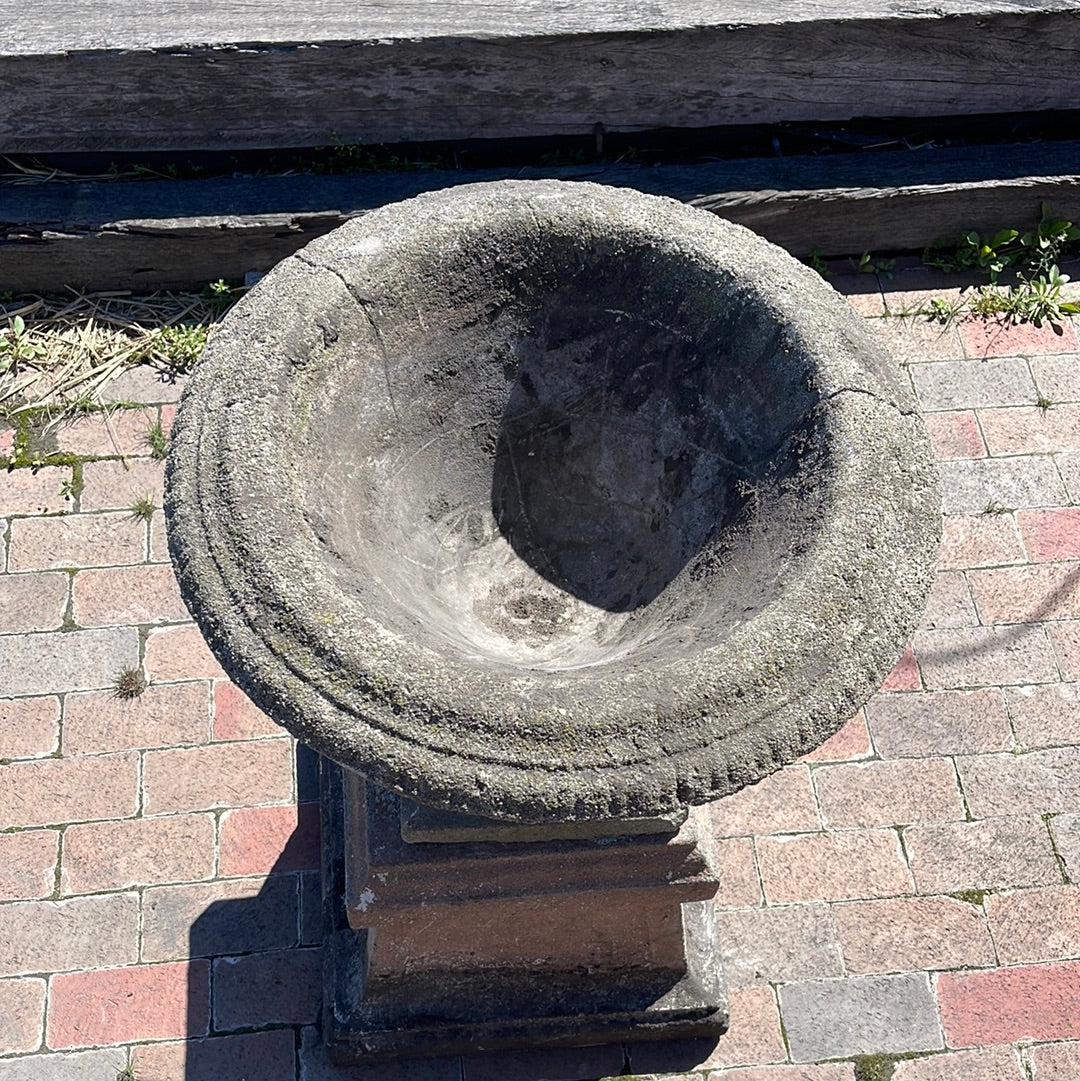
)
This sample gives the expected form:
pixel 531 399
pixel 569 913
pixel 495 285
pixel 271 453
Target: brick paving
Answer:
pixel 904 902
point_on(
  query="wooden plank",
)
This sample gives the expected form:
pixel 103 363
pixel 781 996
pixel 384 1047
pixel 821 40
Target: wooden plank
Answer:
pixel 76 76
pixel 53 26
pixel 156 234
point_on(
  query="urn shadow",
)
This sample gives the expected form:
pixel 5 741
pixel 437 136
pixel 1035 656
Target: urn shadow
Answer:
pixel 610 470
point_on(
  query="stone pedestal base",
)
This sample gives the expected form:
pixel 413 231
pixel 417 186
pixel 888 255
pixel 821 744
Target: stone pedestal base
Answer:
pixel 453 945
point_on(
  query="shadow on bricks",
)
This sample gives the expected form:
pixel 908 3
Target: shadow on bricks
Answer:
pixel 255 963
pixel 1029 610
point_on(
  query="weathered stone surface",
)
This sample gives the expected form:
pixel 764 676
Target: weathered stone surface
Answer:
pixel 778 944
pixel 488 495
pixel 448 948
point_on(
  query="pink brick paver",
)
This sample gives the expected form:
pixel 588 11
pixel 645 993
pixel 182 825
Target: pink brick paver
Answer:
pixel 261 840
pixel 28 864
pixel 1007 1005
pixel 29 727
pixel 985 338
pixel 1051 534
pixel 955 435
pixel 980 1064
pixel 850 743
pixel 908 890
pixel 117 1005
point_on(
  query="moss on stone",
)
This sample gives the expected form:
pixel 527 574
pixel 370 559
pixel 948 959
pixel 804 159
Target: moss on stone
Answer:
pixel 972 897
pixel 875 1067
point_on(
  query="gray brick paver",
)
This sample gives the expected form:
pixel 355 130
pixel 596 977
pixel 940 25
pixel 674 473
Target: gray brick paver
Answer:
pixel 981 484
pixel 1000 852
pixel 779 944
pixel 974 384
pixel 971 657
pixel 100 1065
pixel 60 936
pixel 863 1015
pixel 1040 782
pixel 53 661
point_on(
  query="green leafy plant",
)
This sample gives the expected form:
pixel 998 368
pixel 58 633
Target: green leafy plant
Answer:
pixel 992 253
pixel 815 262
pixel 940 310
pixel 222 295
pixel 358 158
pixel 1040 301
pixel 128 684
pixel 17 344
pixel 1044 246
pixel 868 264
pixel 988 301
pixel 1031 254
pixel 72 488
pixel 182 345
pixel 994 506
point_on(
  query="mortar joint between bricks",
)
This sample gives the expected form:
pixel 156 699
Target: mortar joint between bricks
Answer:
pixel 968 816
pixel 1047 818
pixel 1027 1067
pixel 57 892
pixel 140 785
pixel 775 988
pixel 298 1043
pixel 146 536
pixel 904 854
pixel 1017 745
pixel 77 484
pixel 757 873
pixel 67 619
pixel 140 919
pixel 143 637
pixel 61 699
pixel 219 814
pixel 811 771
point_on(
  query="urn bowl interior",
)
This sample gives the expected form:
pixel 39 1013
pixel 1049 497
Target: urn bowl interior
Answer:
pixel 574 471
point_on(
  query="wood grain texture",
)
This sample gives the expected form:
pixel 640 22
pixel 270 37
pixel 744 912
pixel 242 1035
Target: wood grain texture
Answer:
pixel 53 26
pixel 158 234
pixel 462 77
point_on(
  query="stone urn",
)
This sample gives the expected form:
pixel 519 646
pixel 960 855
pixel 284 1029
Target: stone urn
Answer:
pixel 544 511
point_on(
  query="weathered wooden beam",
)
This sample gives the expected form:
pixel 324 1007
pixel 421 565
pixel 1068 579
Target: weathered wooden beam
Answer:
pixel 157 234
pixel 76 75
